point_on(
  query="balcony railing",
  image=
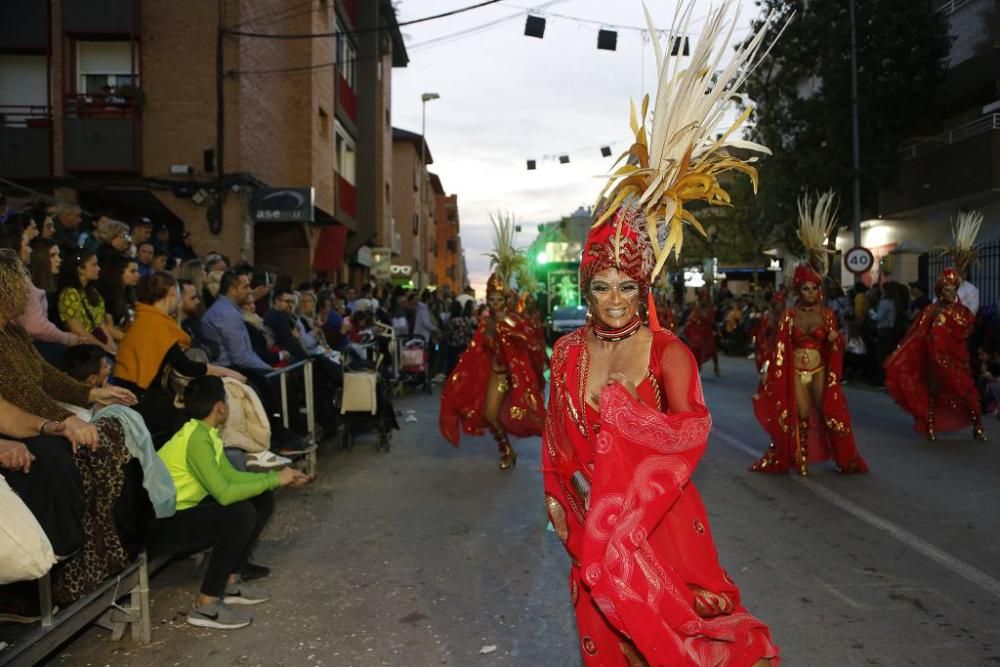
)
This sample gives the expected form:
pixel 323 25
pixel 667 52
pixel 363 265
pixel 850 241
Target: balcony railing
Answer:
pixel 346 97
pixel 103 133
pixel 25 141
pixel 979 126
pixel 347 197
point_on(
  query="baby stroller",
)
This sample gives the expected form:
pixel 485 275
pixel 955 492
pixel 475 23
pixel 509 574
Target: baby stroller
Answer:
pixel 366 403
pixel 415 364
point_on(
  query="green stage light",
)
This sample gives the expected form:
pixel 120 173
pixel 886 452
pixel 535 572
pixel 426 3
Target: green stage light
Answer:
pixel 542 258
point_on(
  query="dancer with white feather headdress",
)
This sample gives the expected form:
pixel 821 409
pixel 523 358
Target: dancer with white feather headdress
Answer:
pixel 799 402
pixel 626 423
pixel 929 374
pixel 497 383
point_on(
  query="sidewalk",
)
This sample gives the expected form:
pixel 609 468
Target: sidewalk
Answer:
pixel 426 555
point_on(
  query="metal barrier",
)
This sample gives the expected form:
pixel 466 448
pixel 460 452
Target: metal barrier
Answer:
pixel 984 273
pixel 307 378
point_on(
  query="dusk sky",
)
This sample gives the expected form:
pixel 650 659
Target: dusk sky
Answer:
pixel 506 98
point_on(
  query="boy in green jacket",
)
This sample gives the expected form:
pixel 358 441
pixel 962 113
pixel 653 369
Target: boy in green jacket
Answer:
pixel 217 506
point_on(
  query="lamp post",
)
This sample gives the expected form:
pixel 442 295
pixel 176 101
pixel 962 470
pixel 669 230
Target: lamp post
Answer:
pixel 855 131
pixel 424 99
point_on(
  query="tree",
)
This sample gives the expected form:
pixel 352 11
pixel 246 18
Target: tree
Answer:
pixel 802 92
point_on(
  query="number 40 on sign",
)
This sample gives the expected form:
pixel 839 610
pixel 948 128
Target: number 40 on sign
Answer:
pixel 859 260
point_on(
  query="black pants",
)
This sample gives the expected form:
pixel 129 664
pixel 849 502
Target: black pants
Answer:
pixel 886 344
pixel 52 491
pixel 231 531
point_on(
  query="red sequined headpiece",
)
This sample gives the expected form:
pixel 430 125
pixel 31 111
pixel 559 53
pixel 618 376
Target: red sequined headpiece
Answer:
pixel 949 276
pixel 606 248
pixel 806 274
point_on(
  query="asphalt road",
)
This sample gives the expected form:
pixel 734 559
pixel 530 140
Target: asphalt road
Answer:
pixel 429 555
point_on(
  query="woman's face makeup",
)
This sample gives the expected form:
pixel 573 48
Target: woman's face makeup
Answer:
pixel 809 293
pixel 497 302
pixel 90 270
pixel 55 260
pixel 613 298
pixel 949 294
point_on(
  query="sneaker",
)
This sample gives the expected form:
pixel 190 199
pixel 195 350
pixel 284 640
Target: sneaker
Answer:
pixel 219 616
pixel 262 461
pixel 243 593
pixel 253 571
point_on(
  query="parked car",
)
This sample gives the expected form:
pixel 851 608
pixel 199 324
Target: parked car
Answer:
pixel 563 320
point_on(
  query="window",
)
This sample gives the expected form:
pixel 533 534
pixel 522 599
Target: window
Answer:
pixel 346 155
pixel 347 56
pixel 416 224
pixel 388 194
pixel 102 67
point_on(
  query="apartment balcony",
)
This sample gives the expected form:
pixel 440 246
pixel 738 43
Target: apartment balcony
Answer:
pixel 347 198
pixel 958 163
pixel 347 98
pixel 100 17
pixel 103 134
pixel 24 26
pixel 25 141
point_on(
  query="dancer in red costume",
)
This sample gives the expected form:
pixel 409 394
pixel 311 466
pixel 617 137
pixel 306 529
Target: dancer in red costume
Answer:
pixel 765 334
pixel 625 429
pixel 699 331
pixel 626 423
pixel 496 385
pixel 929 374
pixel 799 402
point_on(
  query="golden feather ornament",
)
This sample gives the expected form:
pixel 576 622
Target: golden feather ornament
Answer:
pixel 964 230
pixel 817 221
pixel 680 158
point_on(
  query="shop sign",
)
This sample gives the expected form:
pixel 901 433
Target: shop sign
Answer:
pixel 283 205
pixel 364 257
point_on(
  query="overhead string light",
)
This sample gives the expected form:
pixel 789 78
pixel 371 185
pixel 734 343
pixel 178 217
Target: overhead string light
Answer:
pixel 605 150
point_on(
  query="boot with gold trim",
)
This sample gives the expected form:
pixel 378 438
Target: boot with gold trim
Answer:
pixel 931 435
pixel 802 448
pixel 508 457
pixel 978 432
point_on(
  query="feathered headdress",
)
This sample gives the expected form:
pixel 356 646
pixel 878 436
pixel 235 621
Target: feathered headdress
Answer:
pixel 680 159
pixel 964 230
pixel 816 222
pixel 506 263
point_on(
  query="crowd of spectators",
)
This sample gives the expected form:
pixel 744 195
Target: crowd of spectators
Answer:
pixel 125 355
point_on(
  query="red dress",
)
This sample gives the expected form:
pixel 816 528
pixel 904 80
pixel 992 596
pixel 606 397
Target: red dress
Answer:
pixel 935 352
pixel 765 336
pixel 776 409
pixel 514 346
pixel 699 332
pixel 618 491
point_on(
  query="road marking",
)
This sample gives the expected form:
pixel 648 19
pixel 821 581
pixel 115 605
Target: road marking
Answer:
pixel 946 560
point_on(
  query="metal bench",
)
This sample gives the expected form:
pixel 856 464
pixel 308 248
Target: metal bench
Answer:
pixel 28 644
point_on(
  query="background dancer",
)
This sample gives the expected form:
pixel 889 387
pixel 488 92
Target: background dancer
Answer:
pixel 699 330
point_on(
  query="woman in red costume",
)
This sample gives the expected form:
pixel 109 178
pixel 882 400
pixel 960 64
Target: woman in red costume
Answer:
pixel 765 334
pixel 665 313
pixel 496 385
pixel 625 429
pixel 699 331
pixel 929 374
pixel 800 403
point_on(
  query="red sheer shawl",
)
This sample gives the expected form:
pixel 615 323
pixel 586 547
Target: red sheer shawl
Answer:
pixel 935 352
pixel 640 539
pixel 464 394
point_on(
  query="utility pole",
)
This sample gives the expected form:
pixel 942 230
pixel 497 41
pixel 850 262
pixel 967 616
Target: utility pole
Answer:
pixel 424 99
pixel 855 129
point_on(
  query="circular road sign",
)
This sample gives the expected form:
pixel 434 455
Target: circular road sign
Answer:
pixel 859 260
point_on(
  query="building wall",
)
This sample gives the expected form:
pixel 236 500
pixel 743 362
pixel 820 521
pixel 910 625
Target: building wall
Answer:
pixel 405 193
pixel 448 263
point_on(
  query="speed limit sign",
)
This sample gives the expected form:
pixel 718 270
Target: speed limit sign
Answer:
pixel 859 260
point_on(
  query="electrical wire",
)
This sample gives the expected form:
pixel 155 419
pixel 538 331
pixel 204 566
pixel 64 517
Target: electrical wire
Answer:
pixel 276 15
pixel 361 31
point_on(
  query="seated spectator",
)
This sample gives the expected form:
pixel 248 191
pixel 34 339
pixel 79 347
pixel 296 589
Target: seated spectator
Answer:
pixel 142 230
pixel 68 219
pixel 81 308
pixel 113 239
pixel 153 346
pixel 262 338
pixel 116 285
pixel 162 240
pixel 190 317
pixel 223 324
pixel 217 507
pixel 87 364
pixel 36 387
pixel 184 250
pixel 161 261
pixel 90 238
pixel 144 255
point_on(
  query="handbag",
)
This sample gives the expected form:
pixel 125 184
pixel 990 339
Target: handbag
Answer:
pixel 25 550
pixel 360 393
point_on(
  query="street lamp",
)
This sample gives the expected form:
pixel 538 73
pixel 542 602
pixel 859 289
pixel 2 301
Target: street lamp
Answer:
pixel 424 99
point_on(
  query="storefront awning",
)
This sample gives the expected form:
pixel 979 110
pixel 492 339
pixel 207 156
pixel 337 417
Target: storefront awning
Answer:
pixel 329 255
